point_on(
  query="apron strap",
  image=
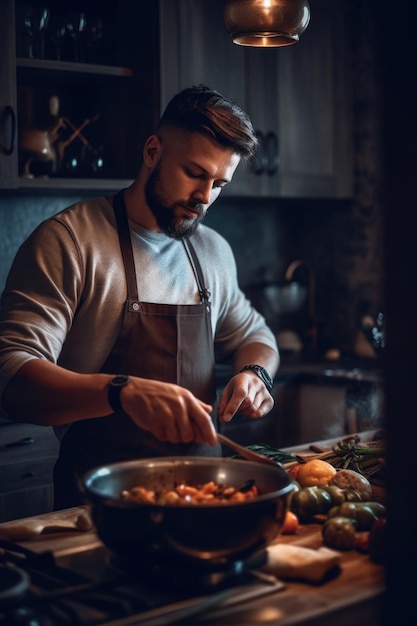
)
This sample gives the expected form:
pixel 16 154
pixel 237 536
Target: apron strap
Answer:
pixel 127 253
pixel 195 264
pixel 126 248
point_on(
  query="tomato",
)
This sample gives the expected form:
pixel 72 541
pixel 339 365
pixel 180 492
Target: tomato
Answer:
pixel 362 541
pixel 337 494
pixel 290 524
pixel 377 545
pixel 310 501
pixel 339 532
pixel 293 471
pixel 365 513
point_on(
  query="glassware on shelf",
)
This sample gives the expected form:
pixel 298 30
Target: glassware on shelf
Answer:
pixel 94 37
pixel 35 23
pixel 76 25
pixel 57 29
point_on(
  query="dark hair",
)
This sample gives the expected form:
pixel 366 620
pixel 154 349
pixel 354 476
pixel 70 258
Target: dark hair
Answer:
pixel 204 110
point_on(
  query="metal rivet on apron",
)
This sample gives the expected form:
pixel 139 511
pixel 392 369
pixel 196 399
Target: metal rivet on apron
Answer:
pixel 135 306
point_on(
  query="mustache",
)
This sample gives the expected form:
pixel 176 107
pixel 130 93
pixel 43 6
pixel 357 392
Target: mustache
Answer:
pixel 193 206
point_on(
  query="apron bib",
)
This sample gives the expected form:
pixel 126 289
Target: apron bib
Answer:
pixel 167 342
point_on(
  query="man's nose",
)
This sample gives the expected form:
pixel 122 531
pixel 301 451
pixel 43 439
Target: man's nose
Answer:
pixel 203 192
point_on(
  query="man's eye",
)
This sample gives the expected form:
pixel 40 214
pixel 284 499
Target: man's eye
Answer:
pixel 193 174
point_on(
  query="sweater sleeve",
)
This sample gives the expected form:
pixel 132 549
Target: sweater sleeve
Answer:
pixel 39 299
pixel 64 295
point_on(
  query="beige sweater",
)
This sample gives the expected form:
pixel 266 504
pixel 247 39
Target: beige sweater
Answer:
pixel 66 290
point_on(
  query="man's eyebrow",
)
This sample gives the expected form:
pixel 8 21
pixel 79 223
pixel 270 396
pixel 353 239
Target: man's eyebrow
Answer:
pixel 206 172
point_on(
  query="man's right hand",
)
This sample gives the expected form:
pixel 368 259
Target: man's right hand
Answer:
pixel 46 394
pixel 170 412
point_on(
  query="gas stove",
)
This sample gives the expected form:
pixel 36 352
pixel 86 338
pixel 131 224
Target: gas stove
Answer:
pixel 89 586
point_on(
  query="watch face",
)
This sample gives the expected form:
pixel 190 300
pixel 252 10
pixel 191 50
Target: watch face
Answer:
pixel 119 381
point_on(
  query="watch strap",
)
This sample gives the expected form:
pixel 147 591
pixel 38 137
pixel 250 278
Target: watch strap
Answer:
pixel 113 395
pixel 262 373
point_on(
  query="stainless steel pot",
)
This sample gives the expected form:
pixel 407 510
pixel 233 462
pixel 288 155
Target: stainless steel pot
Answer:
pixel 216 535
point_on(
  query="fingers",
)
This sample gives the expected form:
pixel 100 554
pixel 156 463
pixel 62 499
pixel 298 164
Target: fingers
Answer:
pixel 255 408
pixel 170 412
pixel 245 395
pixel 188 422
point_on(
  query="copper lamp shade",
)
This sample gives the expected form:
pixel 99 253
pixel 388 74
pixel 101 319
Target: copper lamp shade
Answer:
pixel 266 23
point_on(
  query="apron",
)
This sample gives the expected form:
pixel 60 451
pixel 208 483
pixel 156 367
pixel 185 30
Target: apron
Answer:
pixel 167 342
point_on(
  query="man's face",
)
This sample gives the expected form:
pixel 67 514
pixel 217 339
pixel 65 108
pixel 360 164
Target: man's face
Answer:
pixel 186 180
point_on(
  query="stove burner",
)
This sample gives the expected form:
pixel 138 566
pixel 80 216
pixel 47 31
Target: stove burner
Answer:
pixel 14 583
pixel 177 575
pixel 93 587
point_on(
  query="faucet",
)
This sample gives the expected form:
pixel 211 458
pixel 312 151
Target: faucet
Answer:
pixel 311 294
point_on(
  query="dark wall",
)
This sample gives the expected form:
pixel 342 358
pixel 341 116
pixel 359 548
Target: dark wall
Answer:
pixel 398 68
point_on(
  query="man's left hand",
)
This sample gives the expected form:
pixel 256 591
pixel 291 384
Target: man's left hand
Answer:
pixel 246 394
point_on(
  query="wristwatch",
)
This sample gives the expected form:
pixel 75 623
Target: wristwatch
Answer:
pixel 113 395
pixel 261 373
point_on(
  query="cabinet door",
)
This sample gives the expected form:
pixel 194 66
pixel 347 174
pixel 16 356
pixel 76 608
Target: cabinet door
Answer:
pixel 8 105
pixel 195 48
pixel 297 96
pixel 27 458
pixel 313 108
pixel 310 411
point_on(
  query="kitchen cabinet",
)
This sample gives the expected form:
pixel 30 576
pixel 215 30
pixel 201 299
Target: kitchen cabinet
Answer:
pixel 8 130
pixel 298 97
pixel 27 458
pixel 108 97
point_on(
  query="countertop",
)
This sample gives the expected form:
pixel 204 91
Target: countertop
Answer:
pixel 355 595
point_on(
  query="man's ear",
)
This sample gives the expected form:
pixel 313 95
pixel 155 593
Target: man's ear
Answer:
pixel 152 151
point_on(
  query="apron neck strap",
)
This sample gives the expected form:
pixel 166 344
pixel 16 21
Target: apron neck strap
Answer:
pixel 194 262
pixel 126 245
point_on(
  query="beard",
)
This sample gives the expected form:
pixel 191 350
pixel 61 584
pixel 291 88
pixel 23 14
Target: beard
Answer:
pixel 177 228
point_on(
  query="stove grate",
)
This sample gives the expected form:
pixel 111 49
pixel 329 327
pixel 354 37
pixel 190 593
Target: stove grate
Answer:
pixel 85 589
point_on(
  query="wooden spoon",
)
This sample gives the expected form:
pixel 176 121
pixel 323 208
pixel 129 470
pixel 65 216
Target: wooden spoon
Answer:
pixel 250 455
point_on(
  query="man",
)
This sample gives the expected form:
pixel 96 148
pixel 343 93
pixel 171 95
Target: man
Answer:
pixel 116 308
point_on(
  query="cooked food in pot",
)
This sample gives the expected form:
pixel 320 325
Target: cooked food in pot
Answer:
pixel 149 534
pixel 183 493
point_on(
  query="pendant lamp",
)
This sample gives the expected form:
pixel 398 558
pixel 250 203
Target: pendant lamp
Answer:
pixel 266 23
